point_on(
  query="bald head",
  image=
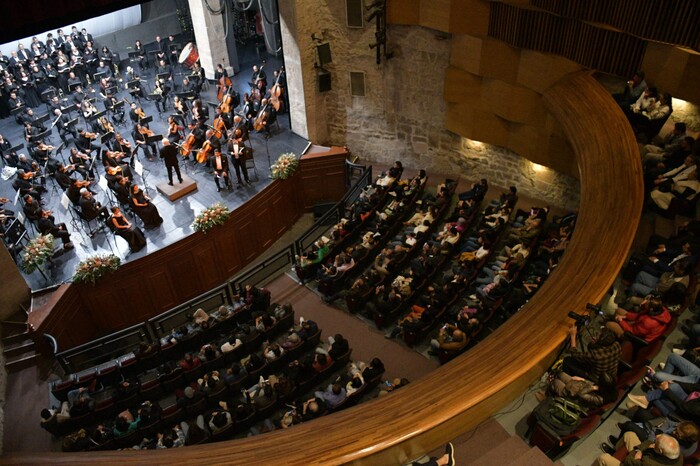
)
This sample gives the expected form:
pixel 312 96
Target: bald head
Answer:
pixel 166 142
pixel 667 446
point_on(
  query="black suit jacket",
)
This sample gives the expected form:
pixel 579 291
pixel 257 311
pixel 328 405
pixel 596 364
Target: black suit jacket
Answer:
pixel 169 155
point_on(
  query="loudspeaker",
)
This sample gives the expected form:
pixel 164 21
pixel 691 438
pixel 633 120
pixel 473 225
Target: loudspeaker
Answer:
pixel 324 81
pixel 355 18
pixel 357 83
pixel 324 54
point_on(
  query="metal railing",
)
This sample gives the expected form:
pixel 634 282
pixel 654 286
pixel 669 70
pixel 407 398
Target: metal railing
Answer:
pixel 124 341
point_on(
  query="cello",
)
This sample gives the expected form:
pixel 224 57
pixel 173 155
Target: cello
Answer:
pixel 186 147
pixel 205 152
pixel 260 122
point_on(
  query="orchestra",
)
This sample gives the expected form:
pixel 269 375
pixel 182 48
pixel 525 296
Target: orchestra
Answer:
pixel 85 88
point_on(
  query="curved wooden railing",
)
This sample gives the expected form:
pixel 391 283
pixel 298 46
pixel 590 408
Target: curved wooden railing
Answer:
pixel 456 397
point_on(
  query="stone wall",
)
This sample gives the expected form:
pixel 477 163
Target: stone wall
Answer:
pixel 402 115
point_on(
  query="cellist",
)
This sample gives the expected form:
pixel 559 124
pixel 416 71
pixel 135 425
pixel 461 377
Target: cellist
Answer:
pixel 223 82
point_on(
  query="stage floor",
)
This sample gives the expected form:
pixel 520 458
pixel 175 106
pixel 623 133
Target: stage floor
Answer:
pixel 177 215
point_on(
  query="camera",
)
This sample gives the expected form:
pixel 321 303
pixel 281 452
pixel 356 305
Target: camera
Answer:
pixel 595 308
pixel 581 320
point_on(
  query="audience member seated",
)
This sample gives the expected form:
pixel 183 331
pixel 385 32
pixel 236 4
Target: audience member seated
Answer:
pixel 333 395
pixel 662 450
pixel 648 324
pixel 602 356
pixel 450 340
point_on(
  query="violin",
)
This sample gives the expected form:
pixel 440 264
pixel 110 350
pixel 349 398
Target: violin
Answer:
pixel 123 142
pixel 205 152
pixel 89 135
pixel 42 146
pixel 139 111
pixel 146 132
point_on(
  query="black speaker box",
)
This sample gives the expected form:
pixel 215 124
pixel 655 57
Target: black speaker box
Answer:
pixel 324 81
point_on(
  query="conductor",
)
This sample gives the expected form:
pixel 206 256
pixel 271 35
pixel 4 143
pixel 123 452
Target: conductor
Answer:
pixel 169 155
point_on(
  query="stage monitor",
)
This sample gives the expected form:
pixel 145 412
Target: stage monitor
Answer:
pixel 324 54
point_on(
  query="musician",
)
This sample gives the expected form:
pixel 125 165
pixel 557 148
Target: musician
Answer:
pixel 174 130
pixel 14 101
pixel 22 53
pixel 29 130
pixel 266 118
pixel 105 56
pixel 75 37
pixel 136 113
pixel 144 208
pixel 79 96
pixel 134 85
pixel 63 69
pixel 62 176
pixel 111 105
pixel 28 117
pixel 238 157
pixel 85 37
pixel 112 175
pixel 116 160
pixel 81 163
pixel 139 136
pixel 219 163
pixel 164 68
pixel 10 157
pixel 140 56
pixel 225 117
pixel 281 77
pixel 102 67
pixel 74 80
pixel 89 110
pixel 161 91
pixel 90 58
pixel 119 144
pixel 173 50
pixel 250 110
pixel 90 208
pixel 199 112
pixel 239 130
pixel 122 190
pixel 180 108
pixel 104 125
pixel 235 97
pixel 40 151
pixel 170 156
pixel 124 228
pixel 46 225
pixel 7 213
pixel 213 139
pixel 31 208
pixel 259 79
pixel 160 47
pixel 23 184
pixel 86 144
pixel 24 164
pixel 218 74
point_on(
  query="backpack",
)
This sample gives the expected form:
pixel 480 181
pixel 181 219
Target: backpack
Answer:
pixel 562 416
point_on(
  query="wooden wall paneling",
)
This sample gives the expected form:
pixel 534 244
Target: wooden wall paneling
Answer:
pixel 539 70
pixel 498 60
pixel 461 86
pixel 264 228
pixel 207 264
pixel 435 14
pixel 459 118
pixel 403 12
pixel 490 128
pixel 158 279
pixel 465 53
pixel 183 275
pixel 229 254
pixel 248 239
pixel 469 17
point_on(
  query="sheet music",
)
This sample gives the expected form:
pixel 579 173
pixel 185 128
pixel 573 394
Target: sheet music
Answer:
pixel 102 183
pixel 65 201
pixel 138 168
pixel 16 198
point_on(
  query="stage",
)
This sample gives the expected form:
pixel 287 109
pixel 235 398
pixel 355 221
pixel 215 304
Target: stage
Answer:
pixel 178 214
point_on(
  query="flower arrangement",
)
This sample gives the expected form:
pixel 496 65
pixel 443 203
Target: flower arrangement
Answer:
pixel 37 252
pixel 92 268
pixel 210 217
pixel 285 166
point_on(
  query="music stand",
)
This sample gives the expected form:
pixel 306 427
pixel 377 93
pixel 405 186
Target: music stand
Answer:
pixel 140 171
pixel 164 76
pixel 42 118
pixel 14 149
pixel 59 151
pixel 70 108
pixel 72 87
pixel 98 115
pixel 17 110
pixel 133 56
pixel 48 94
pixel 118 105
pixel 97 76
pixel 105 138
pixel 43 135
pixel 213 104
pixel 72 122
pixel 112 90
pixel 146 120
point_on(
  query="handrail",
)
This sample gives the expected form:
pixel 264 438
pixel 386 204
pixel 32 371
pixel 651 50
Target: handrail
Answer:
pixel 459 395
pixel 68 358
pixel 265 269
pixel 335 214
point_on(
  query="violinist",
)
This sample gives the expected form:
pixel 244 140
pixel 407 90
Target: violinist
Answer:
pixel 23 163
pixel 136 113
pixel 7 213
pixel 122 145
pixel 114 159
pixel 174 130
pixel 63 127
pixel 81 163
pixel 31 208
pixel 113 173
pixel 104 125
pixel 41 151
pixel 90 208
pixel 23 184
pixel 29 117
pixel 62 176
pixel 8 156
pixel 139 134
pixel 122 190
pixel 73 191
pixel 85 143
pixel 219 163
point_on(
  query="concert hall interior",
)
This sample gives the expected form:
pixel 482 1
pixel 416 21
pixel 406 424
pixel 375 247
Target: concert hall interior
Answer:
pixel 240 226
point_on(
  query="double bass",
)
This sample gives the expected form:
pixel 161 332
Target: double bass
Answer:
pixel 276 92
pixel 219 127
pixel 224 83
pixel 205 152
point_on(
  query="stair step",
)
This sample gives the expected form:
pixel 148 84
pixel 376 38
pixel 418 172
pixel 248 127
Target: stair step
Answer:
pixel 534 457
pixel 16 365
pixel 506 452
pixel 16 338
pixel 19 349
